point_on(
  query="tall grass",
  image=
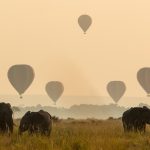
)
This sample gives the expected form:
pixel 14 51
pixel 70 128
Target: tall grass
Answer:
pixel 80 135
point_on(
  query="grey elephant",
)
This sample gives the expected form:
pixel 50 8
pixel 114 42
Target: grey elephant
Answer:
pixel 36 122
pixel 6 119
pixel 135 119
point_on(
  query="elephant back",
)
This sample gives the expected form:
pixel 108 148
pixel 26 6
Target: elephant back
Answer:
pixel 46 116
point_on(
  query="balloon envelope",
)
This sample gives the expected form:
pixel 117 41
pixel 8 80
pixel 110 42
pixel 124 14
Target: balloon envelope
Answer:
pixel 21 77
pixel 54 90
pixel 116 90
pixel 143 77
pixel 85 22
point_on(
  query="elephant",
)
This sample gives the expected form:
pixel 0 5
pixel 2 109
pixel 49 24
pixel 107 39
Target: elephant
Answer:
pixel 36 122
pixel 6 119
pixel 135 119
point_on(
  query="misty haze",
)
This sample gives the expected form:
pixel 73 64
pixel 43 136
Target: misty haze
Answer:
pixel 74 75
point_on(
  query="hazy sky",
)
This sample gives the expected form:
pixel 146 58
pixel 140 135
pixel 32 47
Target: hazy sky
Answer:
pixel 45 34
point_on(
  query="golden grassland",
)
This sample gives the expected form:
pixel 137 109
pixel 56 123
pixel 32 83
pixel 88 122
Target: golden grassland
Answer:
pixel 80 135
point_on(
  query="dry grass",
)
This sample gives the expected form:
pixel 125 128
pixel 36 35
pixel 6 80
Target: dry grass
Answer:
pixel 80 135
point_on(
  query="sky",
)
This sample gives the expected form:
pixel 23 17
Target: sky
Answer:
pixel 46 35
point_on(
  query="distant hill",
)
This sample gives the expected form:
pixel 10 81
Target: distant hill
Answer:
pixel 77 111
pixel 71 107
pixel 83 111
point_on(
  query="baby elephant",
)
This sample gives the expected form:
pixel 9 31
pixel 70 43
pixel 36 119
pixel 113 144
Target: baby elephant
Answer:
pixel 36 122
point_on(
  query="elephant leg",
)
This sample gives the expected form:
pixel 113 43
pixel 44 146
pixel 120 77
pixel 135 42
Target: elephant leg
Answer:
pixel 49 132
pixel 140 128
pixel 130 127
pixel 31 130
pixel 43 132
pixel 125 127
pixel 36 129
pixel 144 128
pixel 3 128
pixel 10 126
pixel 46 132
pixel 134 128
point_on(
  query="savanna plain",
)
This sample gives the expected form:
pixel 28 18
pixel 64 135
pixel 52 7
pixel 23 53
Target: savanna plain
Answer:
pixel 73 134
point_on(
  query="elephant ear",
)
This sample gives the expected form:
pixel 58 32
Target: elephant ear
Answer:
pixel 28 113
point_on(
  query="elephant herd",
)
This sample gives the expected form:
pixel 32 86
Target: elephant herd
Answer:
pixel 33 122
pixel 134 119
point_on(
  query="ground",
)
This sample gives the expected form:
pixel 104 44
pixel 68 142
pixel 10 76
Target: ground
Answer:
pixel 80 135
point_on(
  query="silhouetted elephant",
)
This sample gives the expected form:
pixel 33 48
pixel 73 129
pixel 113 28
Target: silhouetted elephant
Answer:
pixel 36 122
pixel 135 119
pixel 6 120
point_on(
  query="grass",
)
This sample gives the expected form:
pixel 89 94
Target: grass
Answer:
pixel 80 135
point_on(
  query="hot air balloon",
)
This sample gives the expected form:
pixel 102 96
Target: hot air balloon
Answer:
pixel 116 90
pixel 21 77
pixel 143 77
pixel 85 22
pixel 54 90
